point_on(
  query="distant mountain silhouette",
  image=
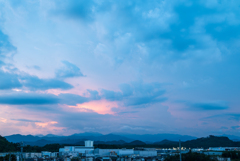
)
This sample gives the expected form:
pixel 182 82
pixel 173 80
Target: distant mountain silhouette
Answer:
pixel 136 142
pixel 166 142
pixel 232 137
pixel 88 134
pixel 157 140
pixel 157 137
pixel 72 139
pixel 41 142
pixel 114 142
pixel 54 145
pixel 51 135
pixel 211 141
pixel 149 138
pixel 18 138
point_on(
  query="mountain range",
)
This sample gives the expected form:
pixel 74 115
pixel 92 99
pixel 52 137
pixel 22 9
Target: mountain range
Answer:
pixel 205 142
pixel 98 138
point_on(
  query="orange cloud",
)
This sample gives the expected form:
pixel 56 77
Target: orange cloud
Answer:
pixel 99 106
pixel 44 124
pixel 3 120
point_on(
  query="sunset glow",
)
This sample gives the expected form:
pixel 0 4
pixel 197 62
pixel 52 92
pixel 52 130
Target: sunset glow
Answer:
pixel 146 67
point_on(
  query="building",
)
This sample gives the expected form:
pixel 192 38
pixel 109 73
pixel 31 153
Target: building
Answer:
pixel 216 153
pixel 76 151
pixel 113 152
pixel 89 151
pixel 145 152
pixel 224 148
pixel 32 155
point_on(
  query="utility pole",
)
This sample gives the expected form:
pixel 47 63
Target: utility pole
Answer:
pixel 10 157
pixel 21 154
pixel 180 148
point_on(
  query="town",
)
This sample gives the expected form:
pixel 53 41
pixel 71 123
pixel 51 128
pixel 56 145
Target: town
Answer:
pixel 89 153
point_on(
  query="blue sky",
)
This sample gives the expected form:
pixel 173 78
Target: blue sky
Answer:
pixel 120 67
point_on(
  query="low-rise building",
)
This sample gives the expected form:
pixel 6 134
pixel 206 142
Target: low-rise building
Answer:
pixel 32 155
pixel 145 152
pixel 113 152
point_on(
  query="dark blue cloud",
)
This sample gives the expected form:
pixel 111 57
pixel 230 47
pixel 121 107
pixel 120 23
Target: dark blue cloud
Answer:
pixel 166 29
pixel 12 79
pixel 15 79
pixel 112 95
pixel 223 31
pixel 145 17
pixel 94 95
pixel 9 81
pixel 33 98
pixel 82 10
pixel 224 116
pixel 235 127
pixel 205 106
pixel 179 32
pixel 5 45
pixel 68 71
pixel 136 94
pixel 35 83
pixel 1 63
pixel 72 99
pixel 28 99
pixel 209 106
pixel 121 112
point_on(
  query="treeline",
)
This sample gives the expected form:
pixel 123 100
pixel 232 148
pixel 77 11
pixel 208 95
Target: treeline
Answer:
pixel 234 155
pixel 6 146
pixel 231 154
pixel 191 157
pixel 8 158
pixel 211 141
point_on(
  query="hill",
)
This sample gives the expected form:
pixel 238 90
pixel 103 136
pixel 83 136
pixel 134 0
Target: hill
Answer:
pixel 72 139
pixel 157 137
pixel 137 142
pixel 97 137
pixel 166 142
pixel 211 141
pixel 6 146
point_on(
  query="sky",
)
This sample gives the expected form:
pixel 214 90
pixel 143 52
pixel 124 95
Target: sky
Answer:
pixel 108 66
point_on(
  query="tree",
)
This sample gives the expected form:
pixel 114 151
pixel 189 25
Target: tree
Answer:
pixel 190 157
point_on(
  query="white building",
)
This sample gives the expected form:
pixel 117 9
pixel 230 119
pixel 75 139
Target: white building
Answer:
pixel 224 148
pixel 216 149
pixel 112 152
pixel 32 155
pixel 88 143
pixel 78 150
pixel 213 153
pixel 46 154
pixel 197 149
pixel 145 153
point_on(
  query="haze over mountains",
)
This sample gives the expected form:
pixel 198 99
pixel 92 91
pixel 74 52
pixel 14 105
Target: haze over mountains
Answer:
pixel 41 140
pixel 204 142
